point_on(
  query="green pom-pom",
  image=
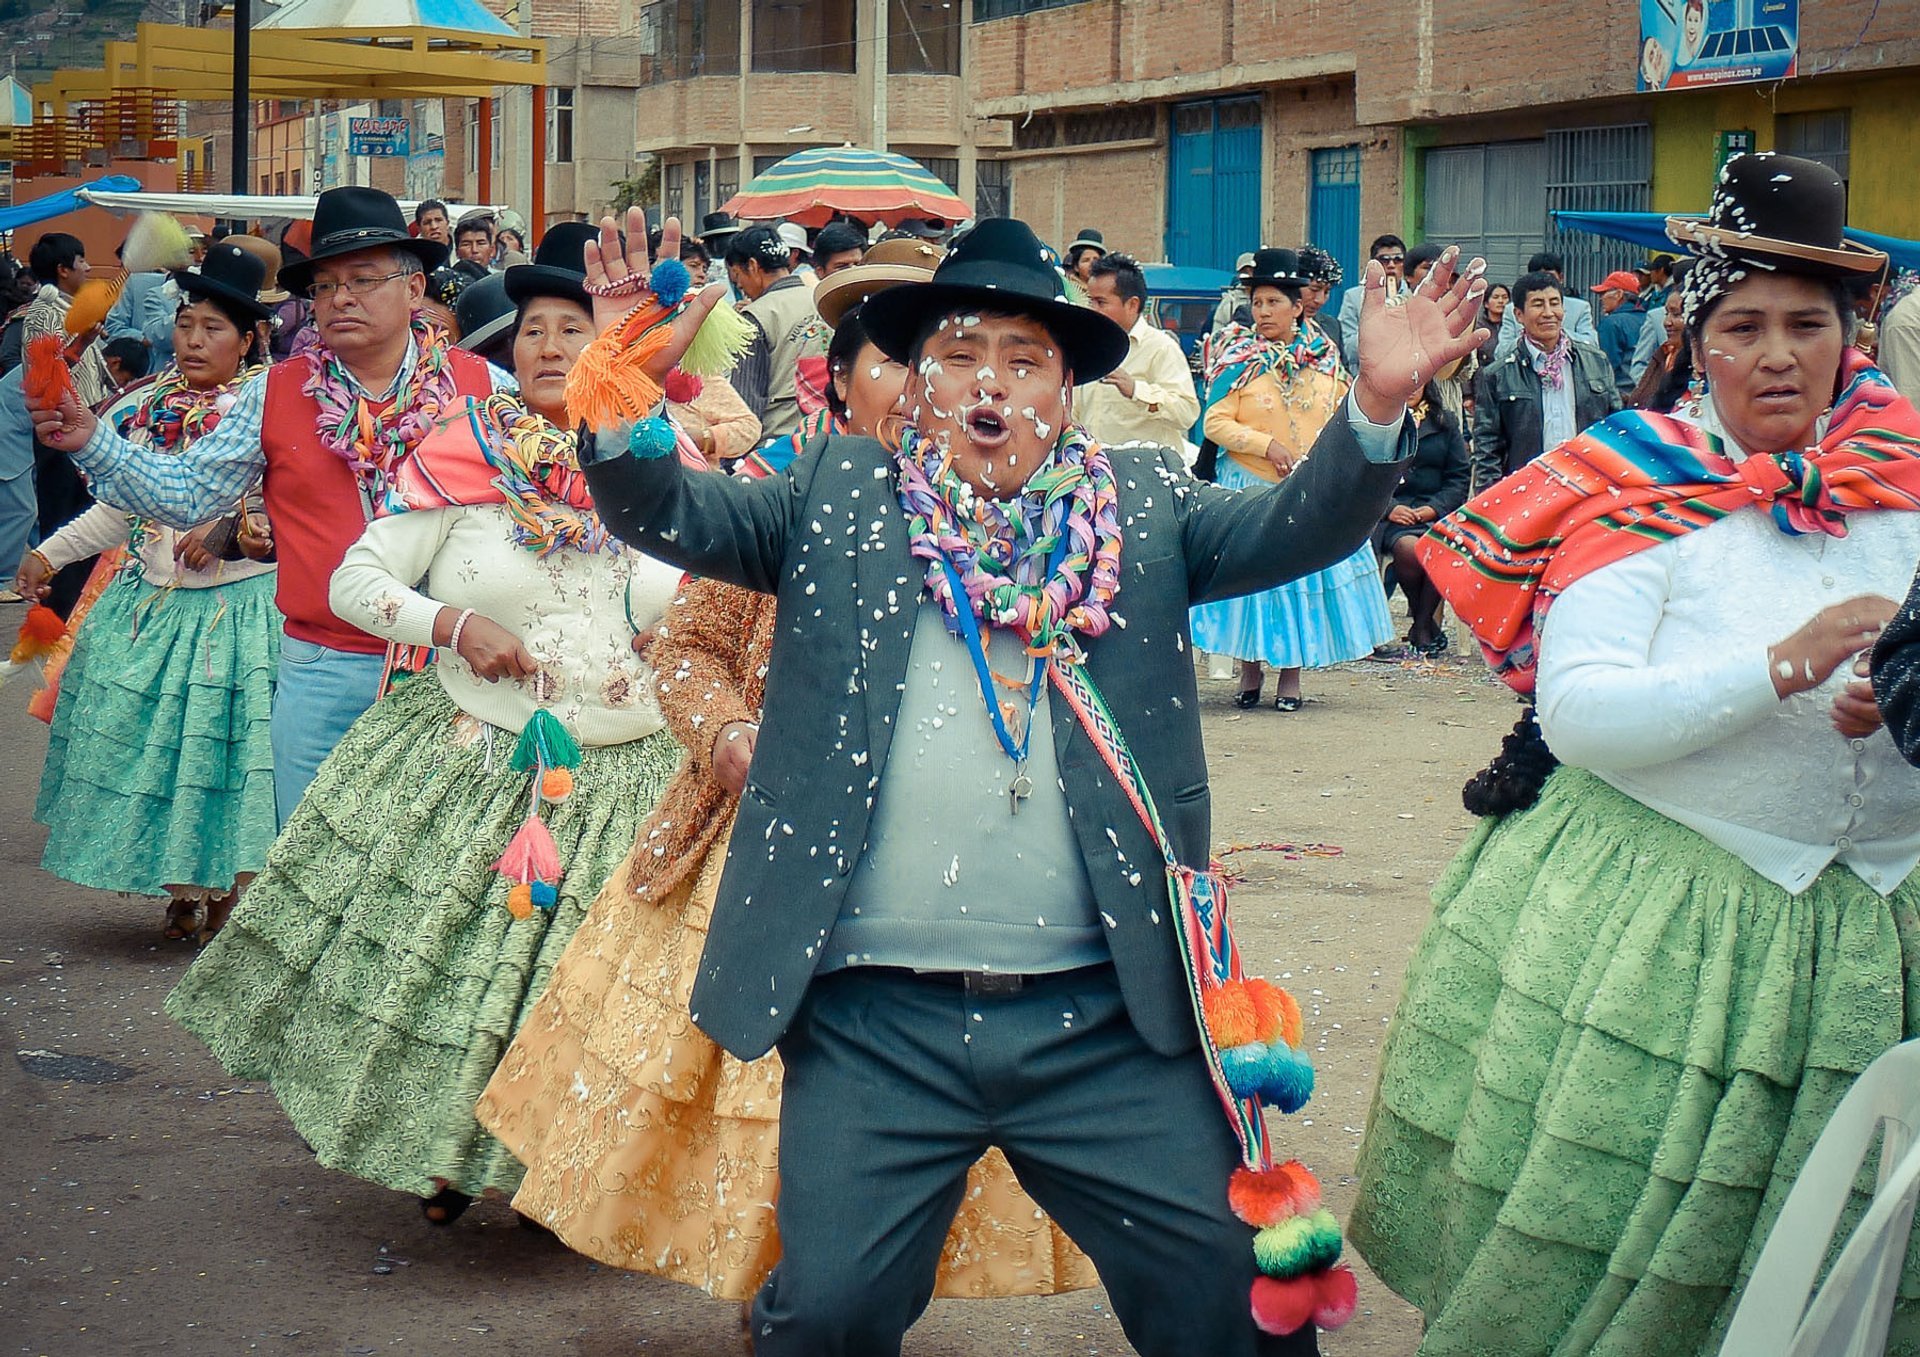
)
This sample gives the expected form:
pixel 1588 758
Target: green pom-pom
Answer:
pixel 1299 1245
pixel 723 336
pixel 545 743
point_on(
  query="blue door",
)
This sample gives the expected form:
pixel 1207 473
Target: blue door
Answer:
pixel 1213 182
pixel 1333 213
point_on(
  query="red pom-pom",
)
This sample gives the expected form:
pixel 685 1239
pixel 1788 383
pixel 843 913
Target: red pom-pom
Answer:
pixel 1339 1296
pixel 40 632
pixel 683 388
pixel 1285 1306
pixel 1231 1017
pixel 1263 1197
pixel 46 376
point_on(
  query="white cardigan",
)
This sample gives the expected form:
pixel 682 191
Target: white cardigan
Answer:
pixel 1654 675
pixel 575 612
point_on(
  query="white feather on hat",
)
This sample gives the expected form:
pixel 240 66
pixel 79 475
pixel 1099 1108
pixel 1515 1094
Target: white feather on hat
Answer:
pixel 156 241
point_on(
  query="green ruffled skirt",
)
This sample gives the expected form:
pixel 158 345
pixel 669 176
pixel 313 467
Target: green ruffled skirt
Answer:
pixel 159 767
pixel 1616 1047
pixel 372 974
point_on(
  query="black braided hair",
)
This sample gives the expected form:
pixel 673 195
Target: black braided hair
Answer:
pixel 1512 782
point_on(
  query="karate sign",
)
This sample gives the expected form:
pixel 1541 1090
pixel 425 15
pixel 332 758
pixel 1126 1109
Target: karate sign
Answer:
pixel 379 136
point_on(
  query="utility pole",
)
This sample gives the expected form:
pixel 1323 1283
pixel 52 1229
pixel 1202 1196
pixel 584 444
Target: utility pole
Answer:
pixel 880 75
pixel 242 105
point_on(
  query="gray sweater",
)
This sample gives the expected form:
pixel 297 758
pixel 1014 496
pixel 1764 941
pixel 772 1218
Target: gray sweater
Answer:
pixel 951 879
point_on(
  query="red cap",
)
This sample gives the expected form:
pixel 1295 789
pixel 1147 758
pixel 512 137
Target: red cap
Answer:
pixel 1619 278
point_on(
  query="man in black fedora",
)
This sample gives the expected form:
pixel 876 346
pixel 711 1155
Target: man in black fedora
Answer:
pixel 937 903
pixel 322 429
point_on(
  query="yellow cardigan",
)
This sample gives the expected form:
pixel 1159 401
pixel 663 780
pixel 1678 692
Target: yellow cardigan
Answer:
pixel 1241 422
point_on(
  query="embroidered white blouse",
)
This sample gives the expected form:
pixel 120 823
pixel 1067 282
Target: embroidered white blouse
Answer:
pixel 576 613
pixel 1654 675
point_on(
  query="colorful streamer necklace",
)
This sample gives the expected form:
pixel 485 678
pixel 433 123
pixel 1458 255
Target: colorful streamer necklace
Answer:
pixel 373 442
pixel 173 415
pixel 537 471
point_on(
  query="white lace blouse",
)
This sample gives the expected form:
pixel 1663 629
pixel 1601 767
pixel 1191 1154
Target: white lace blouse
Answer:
pixel 1654 675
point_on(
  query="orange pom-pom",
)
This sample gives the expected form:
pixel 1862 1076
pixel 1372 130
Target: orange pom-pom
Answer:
pixel 1231 1017
pixel 45 376
pixel 1279 1013
pixel 556 785
pixel 520 901
pixel 89 306
pixel 1263 1197
pixel 40 632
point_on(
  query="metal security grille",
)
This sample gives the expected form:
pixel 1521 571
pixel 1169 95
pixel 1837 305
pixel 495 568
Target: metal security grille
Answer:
pixel 993 189
pixel 1489 199
pixel 1597 169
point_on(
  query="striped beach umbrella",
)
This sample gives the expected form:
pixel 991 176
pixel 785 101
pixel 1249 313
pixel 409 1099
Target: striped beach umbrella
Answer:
pixel 810 187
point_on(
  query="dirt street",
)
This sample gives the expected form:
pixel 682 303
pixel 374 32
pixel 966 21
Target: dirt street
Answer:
pixel 153 1205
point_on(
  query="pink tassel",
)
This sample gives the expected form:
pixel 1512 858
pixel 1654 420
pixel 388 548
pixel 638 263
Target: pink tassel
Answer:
pixel 531 854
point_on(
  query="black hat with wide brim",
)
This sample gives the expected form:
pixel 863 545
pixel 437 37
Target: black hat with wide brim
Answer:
pixel 1780 213
pixel 230 276
pixel 559 267
pixel 350 219
pixel 1276 268
pixel 486 315
pixel 999 266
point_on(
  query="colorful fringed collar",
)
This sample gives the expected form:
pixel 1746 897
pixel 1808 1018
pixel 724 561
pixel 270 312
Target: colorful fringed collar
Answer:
pixel 174 413
pixel 1045 564
pixel 373 440
pixel 1637 480
pixel 1236 355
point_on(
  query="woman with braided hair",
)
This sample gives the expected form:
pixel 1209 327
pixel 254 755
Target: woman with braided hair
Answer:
pixel 1649 981
pixel 418 898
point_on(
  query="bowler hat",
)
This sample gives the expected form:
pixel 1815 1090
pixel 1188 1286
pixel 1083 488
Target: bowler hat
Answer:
pixel 1088 239
pixel 354 218
pixel 486 316
pixel 559 267
pixel 1000 265
pixel 1781 213
pixel 1276 267
pixel 715 225
pixel 228 275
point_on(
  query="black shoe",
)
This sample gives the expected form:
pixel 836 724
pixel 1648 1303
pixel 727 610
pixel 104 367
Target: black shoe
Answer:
pixel 445 1206
pixel 1247 699
pixel 1287 703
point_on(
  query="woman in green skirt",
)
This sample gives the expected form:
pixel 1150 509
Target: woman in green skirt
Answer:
pixel 414 904
pixel 159 778
pixel 1649 980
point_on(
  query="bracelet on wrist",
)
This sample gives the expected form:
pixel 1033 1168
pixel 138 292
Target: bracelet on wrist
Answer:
pixel 41 557
pixel 459 625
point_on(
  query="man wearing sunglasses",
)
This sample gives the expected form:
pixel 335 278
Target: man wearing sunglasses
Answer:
pixel 1391 251
pixel 322 429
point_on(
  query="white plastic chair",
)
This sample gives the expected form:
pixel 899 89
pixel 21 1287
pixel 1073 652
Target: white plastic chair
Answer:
pixel 1850 1315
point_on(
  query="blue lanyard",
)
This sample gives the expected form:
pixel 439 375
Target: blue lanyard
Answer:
pixel 970 629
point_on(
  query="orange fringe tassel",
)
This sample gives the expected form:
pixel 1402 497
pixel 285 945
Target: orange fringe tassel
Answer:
pixel 40 632
pixel 47 377
pixel 609 385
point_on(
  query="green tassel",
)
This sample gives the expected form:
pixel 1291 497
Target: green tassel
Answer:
pixel 723 336
pixel 545 743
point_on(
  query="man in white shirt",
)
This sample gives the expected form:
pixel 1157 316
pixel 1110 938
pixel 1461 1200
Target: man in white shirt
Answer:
pixel 1149 398
pixel 1899 351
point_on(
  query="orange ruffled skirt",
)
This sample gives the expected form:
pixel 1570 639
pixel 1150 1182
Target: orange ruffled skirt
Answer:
pixel 649 1148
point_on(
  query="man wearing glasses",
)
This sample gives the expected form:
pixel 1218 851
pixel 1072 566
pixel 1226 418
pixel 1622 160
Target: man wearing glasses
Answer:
pixel 322 429
pixel 1391 251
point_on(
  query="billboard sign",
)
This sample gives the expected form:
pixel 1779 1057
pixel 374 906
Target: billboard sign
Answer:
pixel 379 136
pixel 1690 44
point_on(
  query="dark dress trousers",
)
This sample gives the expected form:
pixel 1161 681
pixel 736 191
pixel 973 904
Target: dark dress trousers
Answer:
pixel 829 540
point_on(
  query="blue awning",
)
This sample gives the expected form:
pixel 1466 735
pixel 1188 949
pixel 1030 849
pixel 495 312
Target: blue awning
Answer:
pixel 1649 231
pixel 59 204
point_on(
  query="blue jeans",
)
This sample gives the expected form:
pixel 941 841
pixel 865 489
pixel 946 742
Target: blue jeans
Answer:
pixel 321 693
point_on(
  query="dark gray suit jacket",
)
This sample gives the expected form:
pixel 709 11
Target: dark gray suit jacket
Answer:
pixel 830 541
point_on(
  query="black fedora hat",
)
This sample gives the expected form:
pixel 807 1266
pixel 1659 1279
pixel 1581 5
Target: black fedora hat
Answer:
pixel 1276 267
pixel 1778 212
pixel 717 224
pixel 486 317
pixel 1088 239
pixel 229 275
pixel 559 267
pixel 354 218
pixel 1000 265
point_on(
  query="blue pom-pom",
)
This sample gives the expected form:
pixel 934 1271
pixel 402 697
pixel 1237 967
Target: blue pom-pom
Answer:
pixel 651 437
pixel 670 282
pixel 1245 1068
pixel 1289 1081
pixel 545 894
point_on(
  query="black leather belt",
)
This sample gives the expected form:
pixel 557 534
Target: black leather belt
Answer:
pixel 982 984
